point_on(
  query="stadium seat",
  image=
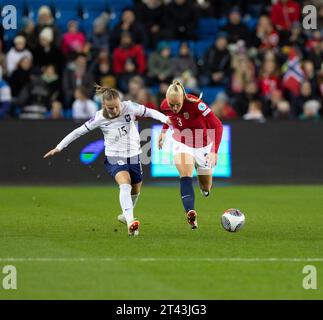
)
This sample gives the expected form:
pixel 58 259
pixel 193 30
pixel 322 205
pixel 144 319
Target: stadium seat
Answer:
pixel 97 5
pixel 66 5
pixel 174 47
pixel 207 28
pixel 201 47
pixel 222 22
pixel 210 93
pixel 119 5
pixel 64 17
pixel 251 23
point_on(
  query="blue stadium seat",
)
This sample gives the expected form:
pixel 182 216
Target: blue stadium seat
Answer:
pixel 66 5
pixel 64 17
pixel 222 22
pixel 97 5
pixel 115 18
pixel 119 5
pixel 207 28
pixel 251 23
pixel 201 47
pixel 174 47
pixel 210 93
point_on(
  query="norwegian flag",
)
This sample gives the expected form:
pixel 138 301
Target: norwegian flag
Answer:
pixel 294 76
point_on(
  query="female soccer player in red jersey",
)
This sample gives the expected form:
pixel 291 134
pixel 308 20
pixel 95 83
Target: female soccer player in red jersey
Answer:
pixel 196 139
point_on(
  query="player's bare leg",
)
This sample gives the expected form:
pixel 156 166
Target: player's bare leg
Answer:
pixel 205 181
pixel 185 165
pixel 135 193
pixel 124 181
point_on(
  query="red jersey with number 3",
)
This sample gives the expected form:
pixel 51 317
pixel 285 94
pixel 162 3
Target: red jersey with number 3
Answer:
pixel 195 125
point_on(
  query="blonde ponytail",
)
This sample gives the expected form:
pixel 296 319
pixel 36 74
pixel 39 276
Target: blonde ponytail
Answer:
pixel 177 88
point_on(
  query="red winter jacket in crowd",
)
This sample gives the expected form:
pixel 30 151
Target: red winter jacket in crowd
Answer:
pixel 135 53
pixel 284 14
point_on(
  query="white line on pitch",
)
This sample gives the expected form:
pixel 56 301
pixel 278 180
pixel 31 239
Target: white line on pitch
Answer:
pixel 152 259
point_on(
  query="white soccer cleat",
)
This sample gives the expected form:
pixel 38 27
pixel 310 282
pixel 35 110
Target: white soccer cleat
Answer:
pixel 121 218
pixel 192 219
pixel 205 193
pixel 133 228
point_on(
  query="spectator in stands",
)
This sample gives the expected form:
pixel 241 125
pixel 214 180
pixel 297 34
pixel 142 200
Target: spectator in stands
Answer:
pixel 128 60
pixel 75 75
pixel 22 76
pixel 283 110
pixel 145 97
pixel 102 71
pixel 151 14
pixel 41 94
pixel 161 93
pixel 46 52
pixel 83 107
pixel 221 107
pixel 28 31
pixel 254 111
pixel 241 101
pixel 270 105
pixel 136 83
pixel 3 62
pixel 297 37
pixel 130 25
pixel 206 8
pixel 283 13
pixel 266 34
pixel 320 18
pixel 315 48
pixel 269 77
pixel 15 54
pixel 311 110
pixel 100 35
pixel 181 20
pixel 306 94
pixel 160 64
pixel 46 20
pixel 184 67
pixel 235 28
pixel 73 41
pixel 5 97
pixel 217 63
pixel 310 75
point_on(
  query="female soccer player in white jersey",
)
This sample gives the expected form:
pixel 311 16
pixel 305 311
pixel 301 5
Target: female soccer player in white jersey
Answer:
pixel 116 120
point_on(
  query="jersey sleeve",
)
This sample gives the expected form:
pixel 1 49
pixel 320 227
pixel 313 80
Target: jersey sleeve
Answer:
pixel 213 124
pixel 75 134
pixel 140 110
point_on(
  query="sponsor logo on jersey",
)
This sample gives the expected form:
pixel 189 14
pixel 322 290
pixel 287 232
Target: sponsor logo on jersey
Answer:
pixel 186 115
pixel 120 162
pixel 127 117
pixel 202 106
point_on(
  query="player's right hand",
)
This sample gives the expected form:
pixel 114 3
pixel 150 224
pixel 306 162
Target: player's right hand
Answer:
pixel 161 140
pixel 51 153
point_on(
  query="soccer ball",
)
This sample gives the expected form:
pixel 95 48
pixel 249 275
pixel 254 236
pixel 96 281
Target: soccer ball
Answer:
pixel 232 220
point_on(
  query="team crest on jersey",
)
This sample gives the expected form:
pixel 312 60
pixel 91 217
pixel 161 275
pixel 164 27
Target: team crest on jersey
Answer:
pixel 202 106
pixel 186 115
pixel 120 162
pixel 127 117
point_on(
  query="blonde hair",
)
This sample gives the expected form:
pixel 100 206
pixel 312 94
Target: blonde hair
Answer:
pixel 177 88
pixel 107 94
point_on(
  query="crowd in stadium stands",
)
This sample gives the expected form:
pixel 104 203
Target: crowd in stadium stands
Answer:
pixel 251 59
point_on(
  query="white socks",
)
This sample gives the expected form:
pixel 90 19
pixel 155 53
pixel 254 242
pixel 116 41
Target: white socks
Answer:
pixel 126 202
pixel 134 198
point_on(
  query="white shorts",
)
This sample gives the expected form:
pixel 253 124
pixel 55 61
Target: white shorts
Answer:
pixel 200 155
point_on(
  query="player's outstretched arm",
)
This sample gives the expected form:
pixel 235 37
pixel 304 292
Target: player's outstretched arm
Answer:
pixel 51 153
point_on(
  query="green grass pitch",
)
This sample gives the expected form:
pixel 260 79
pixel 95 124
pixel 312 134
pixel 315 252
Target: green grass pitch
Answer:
pixel 67 244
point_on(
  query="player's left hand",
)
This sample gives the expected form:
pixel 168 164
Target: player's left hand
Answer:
pixel 212 158
pixel 168 122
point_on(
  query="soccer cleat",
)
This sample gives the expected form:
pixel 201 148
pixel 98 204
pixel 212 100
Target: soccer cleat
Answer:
pixel 121 218
pixel 192 218
pixel 133 228
pixel 205 193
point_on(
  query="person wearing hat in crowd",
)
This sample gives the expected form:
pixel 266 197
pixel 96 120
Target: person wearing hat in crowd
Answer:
pixel 217 63
pixel 16 53
pixel 46 52
pixel 100 36
pixel 235 28
pixel 46 20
